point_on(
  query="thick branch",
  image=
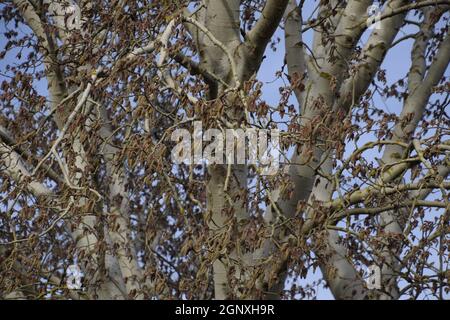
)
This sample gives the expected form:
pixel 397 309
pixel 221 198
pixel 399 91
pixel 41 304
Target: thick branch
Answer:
pixel 265 27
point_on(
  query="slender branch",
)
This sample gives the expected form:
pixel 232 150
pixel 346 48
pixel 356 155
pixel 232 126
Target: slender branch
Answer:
pixel 43 233
pixel 218 43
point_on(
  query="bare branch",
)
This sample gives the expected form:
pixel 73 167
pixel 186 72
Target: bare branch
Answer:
pixel 262 32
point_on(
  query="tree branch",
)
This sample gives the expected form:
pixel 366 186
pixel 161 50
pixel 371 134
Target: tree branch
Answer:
pixel 265 27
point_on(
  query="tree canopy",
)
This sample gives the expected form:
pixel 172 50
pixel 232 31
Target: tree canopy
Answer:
pixel 93 92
